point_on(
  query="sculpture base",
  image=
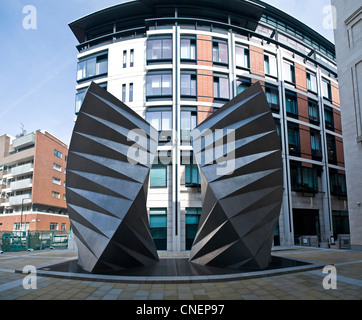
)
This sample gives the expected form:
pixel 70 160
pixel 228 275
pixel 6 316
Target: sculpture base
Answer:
pixel 176 268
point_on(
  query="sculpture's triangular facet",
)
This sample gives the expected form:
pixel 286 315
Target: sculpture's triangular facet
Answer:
pixel 239 157
pixel 110 157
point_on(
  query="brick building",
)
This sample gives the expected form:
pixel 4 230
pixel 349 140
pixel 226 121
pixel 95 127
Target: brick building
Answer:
pixel 177 62
pixel 32 182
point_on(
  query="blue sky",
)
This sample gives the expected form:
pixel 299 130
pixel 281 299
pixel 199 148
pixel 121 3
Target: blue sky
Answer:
pixel 38 66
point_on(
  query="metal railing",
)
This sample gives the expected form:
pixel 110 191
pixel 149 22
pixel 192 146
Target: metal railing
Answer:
pixel 13 241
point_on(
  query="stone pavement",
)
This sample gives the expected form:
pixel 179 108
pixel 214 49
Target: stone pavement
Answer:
pixel 301 285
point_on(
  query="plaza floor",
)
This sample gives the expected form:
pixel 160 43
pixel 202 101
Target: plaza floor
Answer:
pixel 295 285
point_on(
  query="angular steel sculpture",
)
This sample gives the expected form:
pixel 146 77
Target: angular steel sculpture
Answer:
pixel 110 157
pixel 241 198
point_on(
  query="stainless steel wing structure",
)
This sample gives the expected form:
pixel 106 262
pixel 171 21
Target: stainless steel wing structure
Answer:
pixel 110 157
pixel 239 156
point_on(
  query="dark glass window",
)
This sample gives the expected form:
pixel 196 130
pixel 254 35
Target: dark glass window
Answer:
pixel 313 111
pixel 316 145
pixel 293 139
pixel 124 58
pixel 303 179
pixel 331 149
pixel 124 88
pixel 272 95
pixel 338 183
pixel 158 176
pixel 291 104
pixel 192 174
pixel 192 223
pixel 131 58
pixel 158 228
pixel 159 49
pixel 329 119
pixel 131 92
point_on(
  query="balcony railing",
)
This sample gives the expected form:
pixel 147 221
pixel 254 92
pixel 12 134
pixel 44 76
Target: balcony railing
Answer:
pixel 21 170
pixel 21 184
pixel 18 200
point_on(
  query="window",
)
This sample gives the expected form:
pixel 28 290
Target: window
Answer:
pixel 313 109
pixel 55 195
pixel 57 167
pixel 188 48
pixel 242 84
pixel 192 174
pixel 312 82
pixel 158 228
pixel 303 179
pixel 331 149
pixel 81 94
pixel 270 65
pixel 159 85
pixel 272 95
pixel 92 67
pixel 160 120
pixel 131 58
pixel 158 176
pixel 328 117
pixel 124 88
pixel 188 84
pixel 242 57
pixel 220 52
pixel 340 223
pixel 63 227
pixel 221 87
pixel 131 92
pixel 53 226
pixel 291 104
pixel 316 145
pixel 124 58
pixel 57 181
pixel 293 139
pixel 326 89
pixel 188 123
pixel 193 216
pixel 288 71
pixel 337 183
pixel 58 154
pixel 159 49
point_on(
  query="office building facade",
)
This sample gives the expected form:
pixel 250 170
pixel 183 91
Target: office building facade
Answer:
pixel 32 188
pixel 348 38
pixel 175 63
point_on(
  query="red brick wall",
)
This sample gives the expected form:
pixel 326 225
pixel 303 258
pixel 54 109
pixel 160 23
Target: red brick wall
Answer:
pixel 335 94
pixel 257 61
pixel 305 145
pixel 43 224
pixel 204 77
pixel 44 172
pixel 300 77
pixel 303 110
